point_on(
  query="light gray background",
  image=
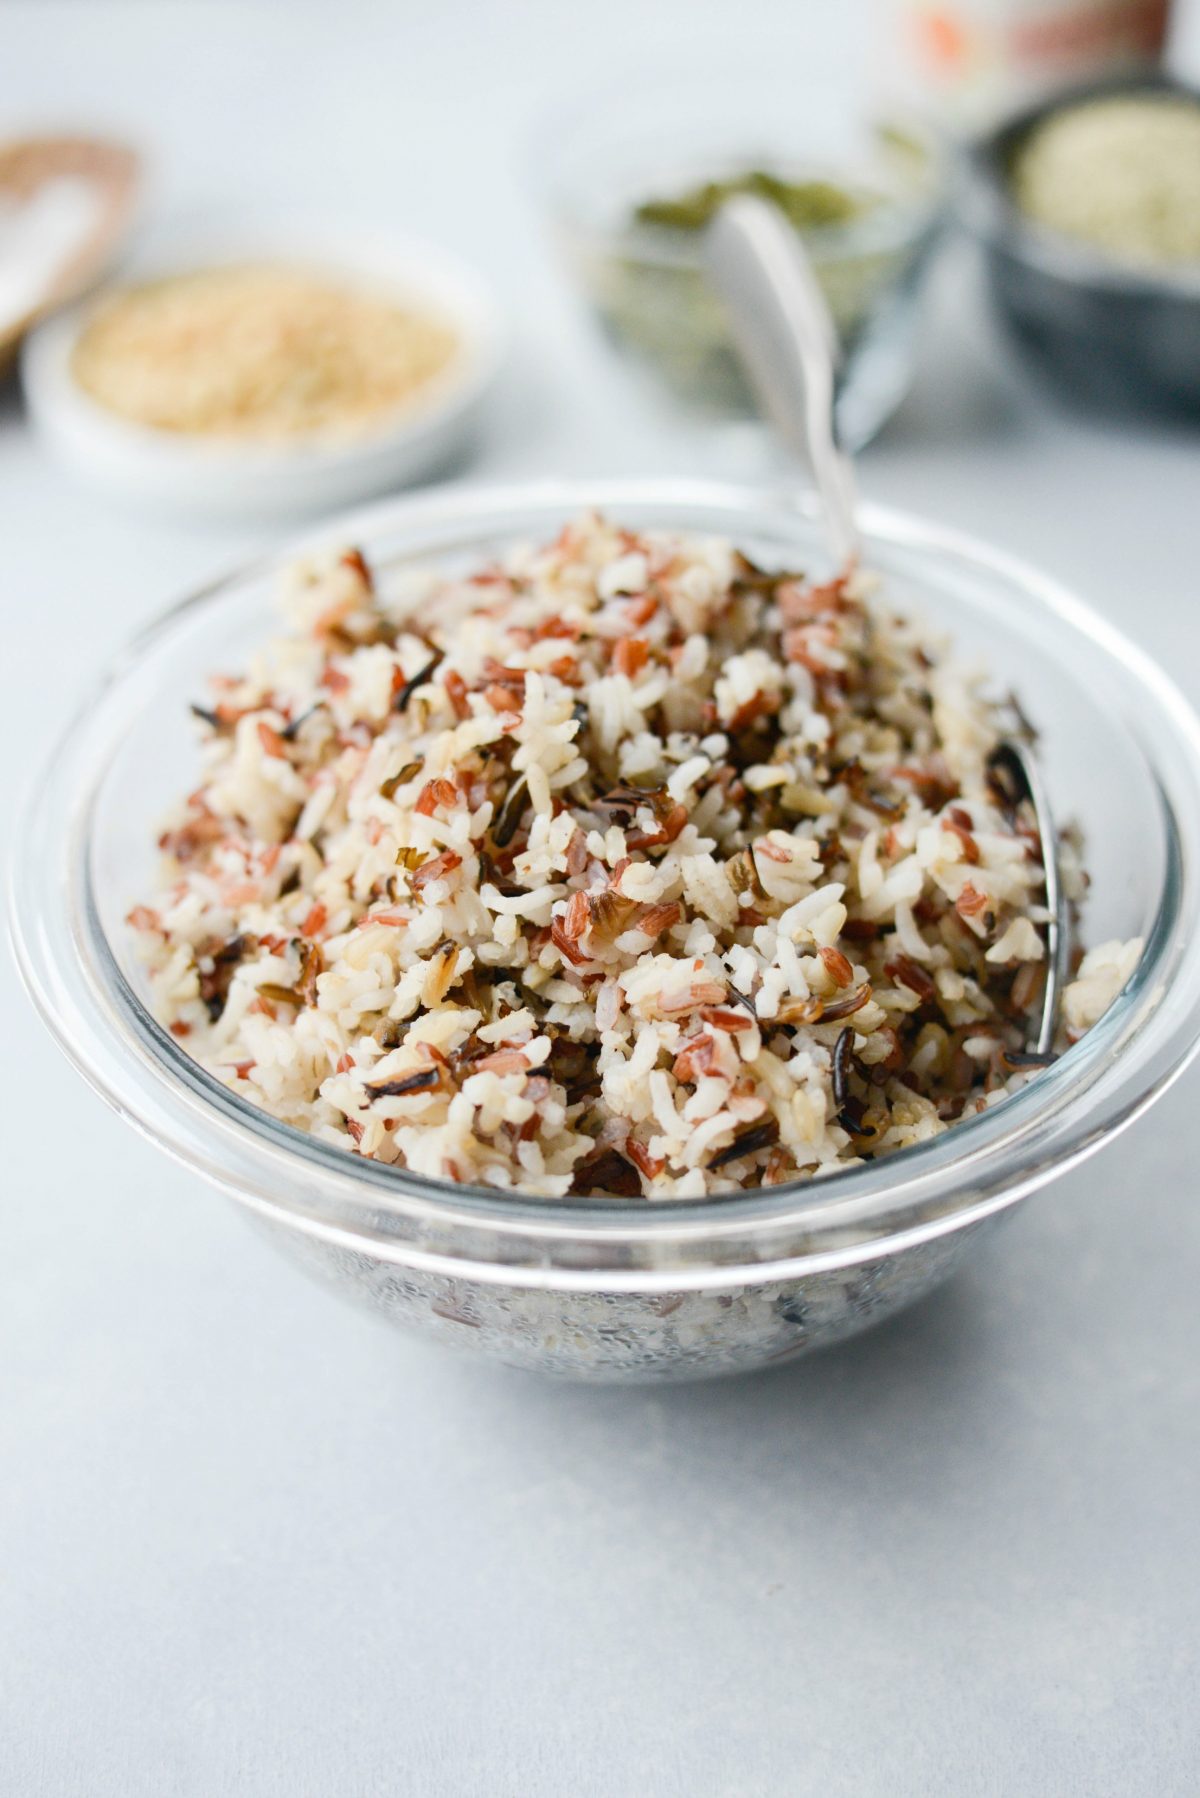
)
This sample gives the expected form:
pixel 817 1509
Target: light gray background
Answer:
pixel 251 1543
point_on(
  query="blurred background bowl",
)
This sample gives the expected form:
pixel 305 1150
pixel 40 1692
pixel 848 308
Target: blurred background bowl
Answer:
pixel 1115 334
pixel 607 156
pixel 189 475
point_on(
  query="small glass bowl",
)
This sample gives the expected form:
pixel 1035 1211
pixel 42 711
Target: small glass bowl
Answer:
pixel 647 282
pixel 609 1288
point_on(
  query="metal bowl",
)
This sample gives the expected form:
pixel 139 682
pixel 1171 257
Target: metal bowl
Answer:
pixel 1116 335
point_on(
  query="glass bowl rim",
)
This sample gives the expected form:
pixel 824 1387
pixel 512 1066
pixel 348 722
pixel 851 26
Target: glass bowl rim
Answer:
pixel 826 1221
pixel 902 221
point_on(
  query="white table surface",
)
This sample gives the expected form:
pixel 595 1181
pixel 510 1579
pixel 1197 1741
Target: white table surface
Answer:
pixel 253 1544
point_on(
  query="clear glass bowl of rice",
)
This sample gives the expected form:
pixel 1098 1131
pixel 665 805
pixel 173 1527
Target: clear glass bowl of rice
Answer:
pixel 608 1287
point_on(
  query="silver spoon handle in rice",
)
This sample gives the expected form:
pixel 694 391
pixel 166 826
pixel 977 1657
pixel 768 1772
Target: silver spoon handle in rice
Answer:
pixel 787 344
pixel 1022 764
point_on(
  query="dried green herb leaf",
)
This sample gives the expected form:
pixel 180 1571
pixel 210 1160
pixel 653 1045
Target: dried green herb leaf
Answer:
pixel 395 781
pixel 421 1082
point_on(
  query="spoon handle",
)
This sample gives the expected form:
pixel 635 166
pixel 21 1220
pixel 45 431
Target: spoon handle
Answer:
pixel 787 344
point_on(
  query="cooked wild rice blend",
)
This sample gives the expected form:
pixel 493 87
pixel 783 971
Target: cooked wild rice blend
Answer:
pixel 622 866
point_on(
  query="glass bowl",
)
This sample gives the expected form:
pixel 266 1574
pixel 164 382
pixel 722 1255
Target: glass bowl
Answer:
pixel 608 1288
pixel 647 282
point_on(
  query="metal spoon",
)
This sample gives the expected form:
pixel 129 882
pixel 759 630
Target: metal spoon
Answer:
pixel 787 344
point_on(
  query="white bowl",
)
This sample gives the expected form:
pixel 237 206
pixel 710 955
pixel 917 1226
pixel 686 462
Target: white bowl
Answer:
pixel 188 475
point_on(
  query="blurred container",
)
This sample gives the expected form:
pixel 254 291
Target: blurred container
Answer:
pixel 966 63
pixel 646 280
pixel 187 475
pixel 1121 335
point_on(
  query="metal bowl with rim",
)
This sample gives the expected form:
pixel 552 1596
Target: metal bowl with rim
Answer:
pixel 1121 336
pixel 612 1288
